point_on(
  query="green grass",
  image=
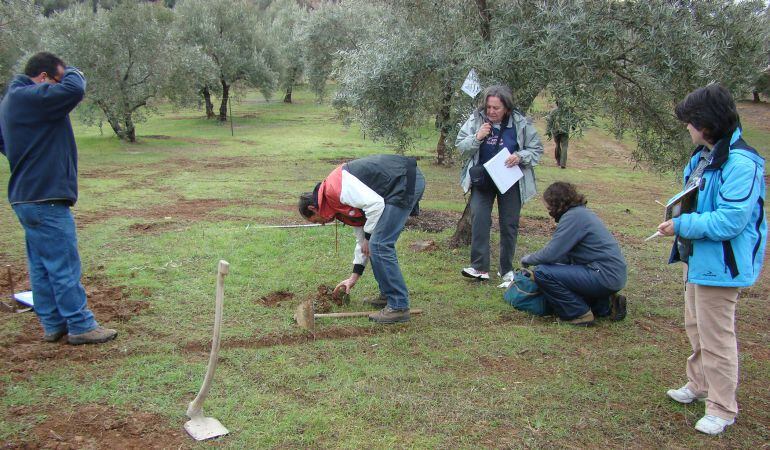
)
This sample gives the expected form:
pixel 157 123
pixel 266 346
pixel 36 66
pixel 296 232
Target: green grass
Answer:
pixel 468 373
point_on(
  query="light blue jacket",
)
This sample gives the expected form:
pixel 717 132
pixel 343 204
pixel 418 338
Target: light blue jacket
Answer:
pixel 530 150
pixel 728 230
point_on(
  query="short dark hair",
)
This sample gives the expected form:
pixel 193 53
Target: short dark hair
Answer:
pixel 43 62
pixel 560 197
pixel 711 110
pixel 500 91
pixel 305 200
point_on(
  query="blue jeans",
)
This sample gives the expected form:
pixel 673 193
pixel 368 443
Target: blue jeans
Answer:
pixel 382 249
pixel 573 290
pixel 54 267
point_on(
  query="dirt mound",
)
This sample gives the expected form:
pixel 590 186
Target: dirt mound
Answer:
pixel 433 221
pixel 325 298
pixel 276 298
pixel 428 245
pixel 98 426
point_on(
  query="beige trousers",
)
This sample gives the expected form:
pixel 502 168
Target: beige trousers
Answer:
pixel 712 369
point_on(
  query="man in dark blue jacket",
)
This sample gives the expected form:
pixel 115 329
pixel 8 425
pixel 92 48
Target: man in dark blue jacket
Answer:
pixel 36 136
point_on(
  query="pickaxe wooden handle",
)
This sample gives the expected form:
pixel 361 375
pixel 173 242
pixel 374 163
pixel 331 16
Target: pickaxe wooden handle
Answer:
pixel 357 314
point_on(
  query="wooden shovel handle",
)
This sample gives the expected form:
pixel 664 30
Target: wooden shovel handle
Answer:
pixel 196 406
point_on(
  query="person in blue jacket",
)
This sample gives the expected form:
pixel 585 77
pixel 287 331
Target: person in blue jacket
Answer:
pixel 722 243
pixel 36 136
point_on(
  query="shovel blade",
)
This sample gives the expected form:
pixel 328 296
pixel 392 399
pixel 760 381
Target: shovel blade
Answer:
pixel 202 428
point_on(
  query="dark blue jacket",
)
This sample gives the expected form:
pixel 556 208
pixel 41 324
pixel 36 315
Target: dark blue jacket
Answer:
pixel 36 136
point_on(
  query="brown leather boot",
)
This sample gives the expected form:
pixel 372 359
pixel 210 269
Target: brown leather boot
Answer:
pixel 586 320
pixel 96 336
pixel 388 315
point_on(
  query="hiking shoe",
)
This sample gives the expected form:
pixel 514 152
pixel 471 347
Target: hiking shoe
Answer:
pixel 617 307
pixel 95 336
pixel 470 272
pixel 683 395
pixel 390 315
pixel 378 302
pixel 586 320
pixel 54 336
pixel 713 425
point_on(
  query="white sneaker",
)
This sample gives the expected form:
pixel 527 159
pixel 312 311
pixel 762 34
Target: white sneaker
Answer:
pixel 683 395
pixel 470 272
pixel 712 424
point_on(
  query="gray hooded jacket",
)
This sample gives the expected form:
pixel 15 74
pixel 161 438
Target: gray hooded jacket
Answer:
pixel 530 150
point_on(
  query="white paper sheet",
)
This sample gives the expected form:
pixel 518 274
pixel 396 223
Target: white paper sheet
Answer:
pixel 504 177
pixel 472 84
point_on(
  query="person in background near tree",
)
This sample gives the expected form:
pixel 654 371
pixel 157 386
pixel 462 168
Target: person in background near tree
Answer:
pixel 722 244
pixel 36 136
pixel 495 126
pixel 581 269
pixel 375 195
pixel 558 130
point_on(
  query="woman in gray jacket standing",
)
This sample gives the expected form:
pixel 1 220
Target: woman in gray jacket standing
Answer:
pixel 496 126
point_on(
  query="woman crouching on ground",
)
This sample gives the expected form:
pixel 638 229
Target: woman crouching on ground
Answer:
pixel 581 269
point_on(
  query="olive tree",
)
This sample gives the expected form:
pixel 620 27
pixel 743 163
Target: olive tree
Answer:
pixel 327 31
pixel 18 35
pixel 231 34
pixel 283 19
pixel 409 68
pixel 127 55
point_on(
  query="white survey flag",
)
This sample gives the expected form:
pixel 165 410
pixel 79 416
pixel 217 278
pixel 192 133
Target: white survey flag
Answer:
pixel 472 84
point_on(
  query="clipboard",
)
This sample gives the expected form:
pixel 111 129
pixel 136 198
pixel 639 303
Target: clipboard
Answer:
pixel 682 203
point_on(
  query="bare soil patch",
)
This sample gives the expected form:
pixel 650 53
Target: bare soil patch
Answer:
pixel 757 115
pixel 336 161
pixel 183 210
pixel 25 354
pixel 98 426
pixel 536 226
pixel 294 338
pixel 433 221
pixel 152 227
pixel 276 298
pixel 161 137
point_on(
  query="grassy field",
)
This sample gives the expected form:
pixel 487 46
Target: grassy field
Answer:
pixel 155 217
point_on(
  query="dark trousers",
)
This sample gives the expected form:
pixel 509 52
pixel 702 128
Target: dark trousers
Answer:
pixel 573 290
pixel 509 209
